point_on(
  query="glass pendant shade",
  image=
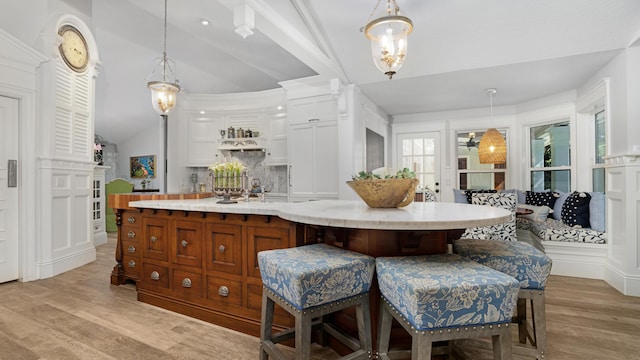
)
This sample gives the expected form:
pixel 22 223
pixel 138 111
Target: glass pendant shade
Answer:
pixel 492 148
pixel 164 88
pixel 389 35
pixel 163 96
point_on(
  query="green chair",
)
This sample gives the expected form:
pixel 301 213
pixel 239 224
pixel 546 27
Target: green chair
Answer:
pixel 115 186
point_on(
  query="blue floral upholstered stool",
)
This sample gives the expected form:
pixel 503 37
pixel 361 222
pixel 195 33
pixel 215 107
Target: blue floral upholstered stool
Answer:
pixel 531 267
pixel 444 297
pixel 309 282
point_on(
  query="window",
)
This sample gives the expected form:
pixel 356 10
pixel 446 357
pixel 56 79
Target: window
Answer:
pixel 550 147
pixel 472 175
pixel 600 149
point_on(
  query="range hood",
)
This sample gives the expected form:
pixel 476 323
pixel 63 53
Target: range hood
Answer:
pixel 241 144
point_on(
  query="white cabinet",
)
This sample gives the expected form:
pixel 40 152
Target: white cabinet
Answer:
pixel 277 134
pixel 313 148
pixel 203 135
pixel 320 108
pixel 97 208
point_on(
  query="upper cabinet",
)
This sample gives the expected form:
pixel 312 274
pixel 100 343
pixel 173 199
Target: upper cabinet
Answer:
pixel 203 135
pixel 310 109
pixel 211 116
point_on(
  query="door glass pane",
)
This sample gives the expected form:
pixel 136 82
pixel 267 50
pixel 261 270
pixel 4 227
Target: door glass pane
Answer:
pixel 429 146
pixel 600 138
pixel 598 179
pixel 551 180
pixel 550 145
pixel 418 148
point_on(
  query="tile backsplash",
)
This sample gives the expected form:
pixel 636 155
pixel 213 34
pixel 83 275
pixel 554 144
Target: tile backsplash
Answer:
pixel 273 178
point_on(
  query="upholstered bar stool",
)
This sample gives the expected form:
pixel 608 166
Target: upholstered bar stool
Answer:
pixel 309 282
pixel 444 297
pixel 531 267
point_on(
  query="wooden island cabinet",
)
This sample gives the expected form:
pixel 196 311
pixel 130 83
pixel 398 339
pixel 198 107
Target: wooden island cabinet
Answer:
pixel 201 264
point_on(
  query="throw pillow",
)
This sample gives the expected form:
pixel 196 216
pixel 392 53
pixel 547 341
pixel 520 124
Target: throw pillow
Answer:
pixel 597 211
pixel 575 210
pixel 469 193
pixel 544 198
pixel 459 196
pixel 540 213
pixel 557 208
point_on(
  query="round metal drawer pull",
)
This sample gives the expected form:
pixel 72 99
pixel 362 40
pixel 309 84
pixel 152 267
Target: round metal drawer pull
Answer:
pixel 186 283
pixel 131 249
pixel 221 248
pixel 184 243
pixel 155 276
pixel 154 239
pixel 131 234
pixel 223 291
pixel 132 264
pixel 131 220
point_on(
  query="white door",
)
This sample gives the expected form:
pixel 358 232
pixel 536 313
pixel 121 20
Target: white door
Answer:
pixel 420 152
pixel 8 194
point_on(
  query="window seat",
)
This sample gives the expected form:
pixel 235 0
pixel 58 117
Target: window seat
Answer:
pixel 577 252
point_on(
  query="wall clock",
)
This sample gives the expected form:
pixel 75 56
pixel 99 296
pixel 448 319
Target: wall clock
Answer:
pixel 74 49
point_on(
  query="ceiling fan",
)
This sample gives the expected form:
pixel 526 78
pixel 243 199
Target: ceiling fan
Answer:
pixel 471 141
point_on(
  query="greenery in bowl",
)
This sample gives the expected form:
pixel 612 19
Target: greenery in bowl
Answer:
pixel 401 174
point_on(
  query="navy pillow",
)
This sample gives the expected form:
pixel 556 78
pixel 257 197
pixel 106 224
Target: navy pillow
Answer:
pixel 575 210
pixel 470 193
pixel 541 198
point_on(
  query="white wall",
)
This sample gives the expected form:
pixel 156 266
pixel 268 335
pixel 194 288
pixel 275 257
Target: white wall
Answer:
pixel 147 142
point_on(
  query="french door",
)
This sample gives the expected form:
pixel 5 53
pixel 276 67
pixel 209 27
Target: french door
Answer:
pixel 420 152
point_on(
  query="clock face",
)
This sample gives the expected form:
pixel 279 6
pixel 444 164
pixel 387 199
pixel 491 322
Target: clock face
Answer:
pixel 73 48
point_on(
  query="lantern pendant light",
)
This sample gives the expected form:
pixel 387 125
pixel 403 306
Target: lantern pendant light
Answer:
pixel 492 148
pixel 388 35
pixel 164 91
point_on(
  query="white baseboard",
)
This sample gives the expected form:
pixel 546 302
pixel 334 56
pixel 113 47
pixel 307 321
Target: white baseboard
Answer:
pixel 621 281
pixel 577 259
pixel 99 238
pixel 66 263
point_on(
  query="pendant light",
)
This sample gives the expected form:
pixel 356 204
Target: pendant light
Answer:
pixel 164 91
pixel 492 148
pixel 388 35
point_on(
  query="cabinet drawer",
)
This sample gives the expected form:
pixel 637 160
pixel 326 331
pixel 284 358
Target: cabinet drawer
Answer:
pixel 130 233
pixel 224 248
pixel 186 284
pixel 131 218
pixel 132 264
pixel 224 292
pixel 263 238
pixel 155 239
pixel 187 243
pixel 131 248
pixel 155 276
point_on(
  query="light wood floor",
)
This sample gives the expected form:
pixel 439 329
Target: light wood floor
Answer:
pixel 79 315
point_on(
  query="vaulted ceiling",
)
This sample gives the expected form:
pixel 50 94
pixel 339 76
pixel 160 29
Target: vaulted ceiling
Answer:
pixel 527 49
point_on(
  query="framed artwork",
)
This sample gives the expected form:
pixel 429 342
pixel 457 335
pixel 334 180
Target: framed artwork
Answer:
pixel 142 166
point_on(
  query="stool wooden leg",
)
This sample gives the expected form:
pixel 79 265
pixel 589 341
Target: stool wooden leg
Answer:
pixel 266 323
pixel 303 336
pixel 364 325
pixel 420 347
pixel 502 345
pixel 384 330
pixel 540 325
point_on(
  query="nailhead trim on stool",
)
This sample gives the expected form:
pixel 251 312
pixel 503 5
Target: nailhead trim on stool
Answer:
pixel 307 282
pixel 531 267
pixel 444 297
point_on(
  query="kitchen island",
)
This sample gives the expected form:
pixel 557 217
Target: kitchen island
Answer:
pixel 199 258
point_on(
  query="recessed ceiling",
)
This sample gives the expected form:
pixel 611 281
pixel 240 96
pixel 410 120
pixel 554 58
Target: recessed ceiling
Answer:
pixel 526 49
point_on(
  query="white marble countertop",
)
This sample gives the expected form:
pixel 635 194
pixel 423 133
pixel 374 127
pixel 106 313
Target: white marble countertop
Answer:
pixel 351 213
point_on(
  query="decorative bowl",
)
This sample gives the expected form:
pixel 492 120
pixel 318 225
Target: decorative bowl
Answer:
pixel 385 193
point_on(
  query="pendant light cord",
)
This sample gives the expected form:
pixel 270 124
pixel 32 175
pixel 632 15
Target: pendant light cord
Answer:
pixel 164 52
